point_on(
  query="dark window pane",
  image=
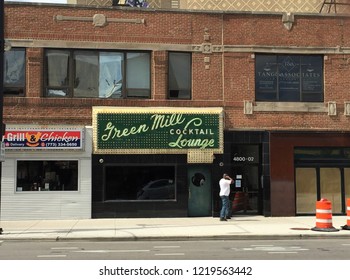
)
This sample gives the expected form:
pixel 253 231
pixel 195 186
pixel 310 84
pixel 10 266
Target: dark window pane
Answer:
pixel 180 75
pixel 47 175
pixel 289 78
pixel 324 153
pixel 111 75
pixel 266 74
pixel 86 74
pixel 312 78
pixel 138 75
pixel 140 183
pixel 57 68
pixel 14 71
pixel 83 73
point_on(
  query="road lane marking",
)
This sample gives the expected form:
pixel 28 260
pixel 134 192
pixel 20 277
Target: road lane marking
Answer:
pixel 165 247
pixel 111 251
pixel 52 256
pixel 286 252
pixel 271 248
pixel 170 254
pixel 65 248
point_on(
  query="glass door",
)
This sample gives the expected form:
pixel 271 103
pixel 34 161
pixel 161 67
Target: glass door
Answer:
pixel 246 192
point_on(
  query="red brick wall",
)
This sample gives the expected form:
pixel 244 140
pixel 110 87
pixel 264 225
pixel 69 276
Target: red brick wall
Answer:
pixel 226 82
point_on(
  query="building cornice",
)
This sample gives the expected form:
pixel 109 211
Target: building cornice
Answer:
pixel 205 48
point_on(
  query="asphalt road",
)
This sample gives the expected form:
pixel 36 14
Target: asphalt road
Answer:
pixel 304 249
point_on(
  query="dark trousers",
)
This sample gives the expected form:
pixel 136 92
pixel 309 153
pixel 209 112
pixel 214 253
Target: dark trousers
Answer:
pixel 225 206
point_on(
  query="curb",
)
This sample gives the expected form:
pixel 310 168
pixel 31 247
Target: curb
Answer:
pixel 180 238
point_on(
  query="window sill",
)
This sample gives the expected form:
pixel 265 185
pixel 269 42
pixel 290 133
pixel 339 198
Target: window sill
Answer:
pixel 316 107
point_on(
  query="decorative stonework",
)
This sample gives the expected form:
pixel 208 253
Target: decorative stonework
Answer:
pixel 288 20
pixel 304 6
pixel 332 108
pixel 347 108
pixel 207 48
pixel 248 107
pixel 98 20
pixel 295 6
pixel 206 36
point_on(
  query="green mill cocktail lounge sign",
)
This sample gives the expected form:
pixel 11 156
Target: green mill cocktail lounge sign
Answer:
pixel 197 132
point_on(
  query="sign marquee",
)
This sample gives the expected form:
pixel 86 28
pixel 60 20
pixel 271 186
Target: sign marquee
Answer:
pixel 36 139
pixel 157 130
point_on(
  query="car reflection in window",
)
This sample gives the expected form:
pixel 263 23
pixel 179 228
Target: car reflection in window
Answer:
pixel 158 189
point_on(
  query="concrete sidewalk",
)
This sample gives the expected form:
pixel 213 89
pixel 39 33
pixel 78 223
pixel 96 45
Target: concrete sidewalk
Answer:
pixel 239 227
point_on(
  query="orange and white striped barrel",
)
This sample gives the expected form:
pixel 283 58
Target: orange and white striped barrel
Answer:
pixel 324 216
pixel 347 226
pixel 238 202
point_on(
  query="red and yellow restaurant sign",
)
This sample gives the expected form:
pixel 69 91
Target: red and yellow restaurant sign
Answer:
pixel 61 139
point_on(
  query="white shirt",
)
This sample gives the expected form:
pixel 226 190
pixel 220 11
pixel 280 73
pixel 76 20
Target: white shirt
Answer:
pixel 225 187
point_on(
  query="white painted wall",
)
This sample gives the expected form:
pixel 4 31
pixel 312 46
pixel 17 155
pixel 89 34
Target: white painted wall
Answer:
pixel 47 204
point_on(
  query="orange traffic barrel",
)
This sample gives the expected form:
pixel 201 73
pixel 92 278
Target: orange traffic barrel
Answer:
pixel 347 226
pixel 239 202
pixel 324 216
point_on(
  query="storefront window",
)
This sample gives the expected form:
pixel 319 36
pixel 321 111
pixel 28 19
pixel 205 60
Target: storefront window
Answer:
pixel 306 190
pixel 140 183
pixel 47 175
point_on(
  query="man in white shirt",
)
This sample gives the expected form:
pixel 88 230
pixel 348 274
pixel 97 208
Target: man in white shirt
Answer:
pixel 224 184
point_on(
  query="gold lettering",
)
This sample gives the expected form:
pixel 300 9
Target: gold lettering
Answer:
pixel 113 132
pixel 192 143
pixel 161 121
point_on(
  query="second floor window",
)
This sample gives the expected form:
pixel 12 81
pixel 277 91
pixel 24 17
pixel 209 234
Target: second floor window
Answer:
pixel 97 74
pixel 292 78
pixel 14 71
pixel 179 80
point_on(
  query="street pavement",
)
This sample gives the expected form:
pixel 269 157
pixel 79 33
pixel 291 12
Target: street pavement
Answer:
pixel 239 227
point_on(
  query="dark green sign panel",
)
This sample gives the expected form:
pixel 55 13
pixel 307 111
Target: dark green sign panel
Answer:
pixel 158 131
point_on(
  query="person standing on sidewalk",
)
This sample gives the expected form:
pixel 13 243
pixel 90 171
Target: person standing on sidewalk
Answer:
pixel 224 184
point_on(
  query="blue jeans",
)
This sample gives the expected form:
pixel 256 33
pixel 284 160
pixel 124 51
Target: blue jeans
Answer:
pixel 225 206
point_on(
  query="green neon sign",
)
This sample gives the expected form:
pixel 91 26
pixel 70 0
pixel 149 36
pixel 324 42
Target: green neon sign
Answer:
pixel 176 131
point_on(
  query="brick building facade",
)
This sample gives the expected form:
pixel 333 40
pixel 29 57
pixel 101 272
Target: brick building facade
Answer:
pixel 285 131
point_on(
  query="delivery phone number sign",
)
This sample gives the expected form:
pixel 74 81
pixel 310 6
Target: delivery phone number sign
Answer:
pixel 34 139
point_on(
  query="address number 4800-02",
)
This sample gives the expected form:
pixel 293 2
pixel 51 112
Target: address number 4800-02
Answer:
pixel 242 159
